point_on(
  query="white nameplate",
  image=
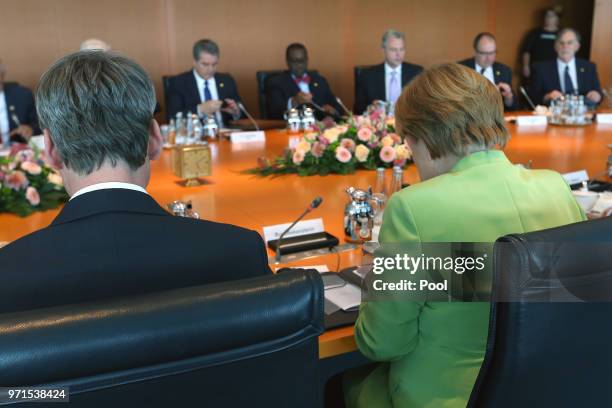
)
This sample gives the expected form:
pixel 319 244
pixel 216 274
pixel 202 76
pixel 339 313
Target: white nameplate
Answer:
pixel 576 177
pixel 604 118
pixel 301 228
pixel 532 120
pixel 248 137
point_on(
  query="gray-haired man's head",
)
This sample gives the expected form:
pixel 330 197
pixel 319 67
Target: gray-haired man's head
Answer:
pixel 393 45
pixel 98 109
pixel 205 58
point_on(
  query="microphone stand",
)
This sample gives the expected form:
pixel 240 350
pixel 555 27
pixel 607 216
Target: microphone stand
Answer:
pixel 315 203
pixel 248 115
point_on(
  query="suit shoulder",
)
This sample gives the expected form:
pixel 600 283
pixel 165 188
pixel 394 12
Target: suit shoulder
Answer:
pixel 17 89
pixel 225 76
pixel 468 62
pixel 585 63
pixel 413 67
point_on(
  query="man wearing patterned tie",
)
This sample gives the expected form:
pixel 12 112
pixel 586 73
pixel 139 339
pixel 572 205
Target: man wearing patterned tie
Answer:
pixel 298 86
pixel 567 74
pixel 385 81
pixel 203 90
pixel 483 62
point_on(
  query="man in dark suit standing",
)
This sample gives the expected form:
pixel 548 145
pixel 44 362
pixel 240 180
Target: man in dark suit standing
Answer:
pixel 298 86
pixel 17 112
pixel 112 239
pixel 203 90
pixel 384 82
pixel 567 74
pixel 485 51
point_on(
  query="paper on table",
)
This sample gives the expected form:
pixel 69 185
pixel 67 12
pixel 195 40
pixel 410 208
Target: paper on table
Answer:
pixel 603 204
pixel 345 297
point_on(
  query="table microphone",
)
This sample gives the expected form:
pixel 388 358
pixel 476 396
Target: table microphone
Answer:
pixel 14 115
pixel 527 97
pixel 314 204
pixel 248 115
pixel 348 112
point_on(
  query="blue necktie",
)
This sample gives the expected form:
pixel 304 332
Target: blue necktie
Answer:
pixel 569 86
pixel 207 95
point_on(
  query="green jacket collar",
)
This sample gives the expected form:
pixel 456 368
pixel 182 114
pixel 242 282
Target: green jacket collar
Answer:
pixel 479 159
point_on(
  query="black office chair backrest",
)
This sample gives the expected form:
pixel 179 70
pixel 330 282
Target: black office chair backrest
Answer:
pixel 357 70
pixel 165 85
pixel 550 337
pixel 237 344
pixel 262 78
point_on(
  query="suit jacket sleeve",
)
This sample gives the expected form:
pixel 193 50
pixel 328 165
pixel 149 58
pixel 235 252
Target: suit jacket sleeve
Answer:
pixel 596 86
pixel 263 254
pixel 177 98
pixel 388 329
pixel 537 85
pixel 277 98
pixel 31 117
pixel 329 98
pixel 361 98
pixel 231 93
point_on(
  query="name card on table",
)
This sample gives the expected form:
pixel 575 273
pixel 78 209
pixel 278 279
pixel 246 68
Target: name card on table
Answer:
pixel 576 177
pixel 604 118
pixel 248 137
pixel 301 228
pixel 531 120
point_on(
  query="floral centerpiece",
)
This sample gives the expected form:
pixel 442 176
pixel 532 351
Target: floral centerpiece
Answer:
pixel 27 184
pixel 363 142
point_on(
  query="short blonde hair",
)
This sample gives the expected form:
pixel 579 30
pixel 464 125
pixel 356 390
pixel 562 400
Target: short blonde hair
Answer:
pixel 452 109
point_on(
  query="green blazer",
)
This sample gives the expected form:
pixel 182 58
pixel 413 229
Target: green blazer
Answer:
pixel 434 350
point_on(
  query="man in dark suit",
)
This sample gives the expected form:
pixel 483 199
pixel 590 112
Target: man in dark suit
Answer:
pixel 17 112
pixel 382 82
pixel 112 239
pixel 567 74
pixel 203 90
pixel 298 86
pixel 485 50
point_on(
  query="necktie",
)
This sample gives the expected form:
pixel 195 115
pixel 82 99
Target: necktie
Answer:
pixel 482 71
pixel 569 86
pixel 394 87
pixel 304 79
pixel 207 95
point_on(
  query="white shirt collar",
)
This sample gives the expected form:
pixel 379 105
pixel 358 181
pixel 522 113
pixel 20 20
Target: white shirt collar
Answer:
pixel 488 72
pixel 397 69
pixel 571 63
pixel 108 185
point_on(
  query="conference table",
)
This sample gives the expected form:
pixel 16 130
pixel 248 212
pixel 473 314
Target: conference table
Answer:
pixel 231 196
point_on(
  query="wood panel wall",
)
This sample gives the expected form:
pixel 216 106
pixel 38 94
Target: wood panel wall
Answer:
pixel 253 35
pixel 600 43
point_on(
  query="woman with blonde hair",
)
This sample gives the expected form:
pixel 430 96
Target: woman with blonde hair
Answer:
pixel 431 352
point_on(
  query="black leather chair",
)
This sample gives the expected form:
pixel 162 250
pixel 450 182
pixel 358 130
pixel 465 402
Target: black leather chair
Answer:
pixel 250 343
pixel 550 337
pixel 262 79
pixel 165 85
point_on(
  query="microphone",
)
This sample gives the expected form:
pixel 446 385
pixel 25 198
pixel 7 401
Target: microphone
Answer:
pixel 248 115
pixel 14 115
pixel 348 112
pixel 314 204
pixel 524 92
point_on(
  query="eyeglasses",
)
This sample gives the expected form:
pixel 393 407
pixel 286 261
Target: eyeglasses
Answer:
pixel 486 53
pixel 298 61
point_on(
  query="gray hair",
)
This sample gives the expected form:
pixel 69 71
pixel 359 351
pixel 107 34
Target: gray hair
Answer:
pixel 569 30
pixel 98 107
pixel 391 33
pixel 207 46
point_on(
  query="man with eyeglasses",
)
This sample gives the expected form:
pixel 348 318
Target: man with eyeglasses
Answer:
pixel 298 86
pixel 567 75
pixel 485 51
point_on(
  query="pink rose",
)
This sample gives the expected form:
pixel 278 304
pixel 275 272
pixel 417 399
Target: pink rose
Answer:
pixel 32 196
pixel 16 180
pixel 387 154
pixel 348 144
pixel 317 149
pixel 343 155
pixel 298 157
pixel 56 179
pixel 364 134
pixel 387 141
pixel 31 167
pixel 395 137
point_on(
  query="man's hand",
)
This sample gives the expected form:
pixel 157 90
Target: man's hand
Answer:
pixel 301 98
pixel 231 108
pixel 24 131
pixel 594 96
pixel 552 95
pixel 209 107
pixel 330 109
pixel 506 92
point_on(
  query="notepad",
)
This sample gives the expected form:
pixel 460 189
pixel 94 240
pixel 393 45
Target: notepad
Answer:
pixel 345 297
